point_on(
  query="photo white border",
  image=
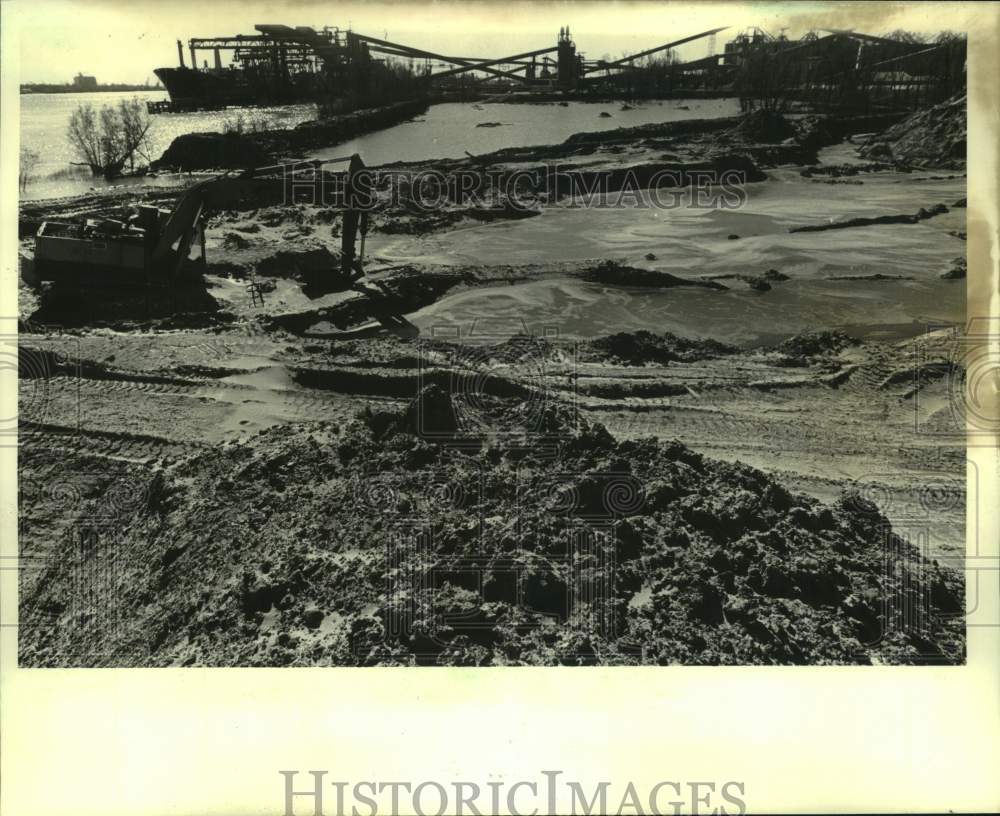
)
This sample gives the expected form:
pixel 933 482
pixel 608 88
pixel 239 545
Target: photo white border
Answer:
pixel 212 741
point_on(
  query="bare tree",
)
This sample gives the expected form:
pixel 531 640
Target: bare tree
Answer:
pixel 765 79
pixel 105 141
pixel 948 37
pixel 135 123
pixel 26 168
pixel 83 136
pixel 904 36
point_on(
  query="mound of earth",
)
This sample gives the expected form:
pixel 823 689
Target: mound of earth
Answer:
pixel 760 283
pixel 208 151
pixel 641 347
pixel 903 218
pixel 812 344
pixel 406 290
pixel 934 137
pixel 301 264
pixel 814 132
pixel 841 170
pixel 612 272
pixel 764 126
pixel 129 308
pixel 431 412
pixel 957 270
pixel 335 545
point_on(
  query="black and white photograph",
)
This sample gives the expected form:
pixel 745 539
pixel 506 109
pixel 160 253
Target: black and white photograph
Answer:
pixel 485 335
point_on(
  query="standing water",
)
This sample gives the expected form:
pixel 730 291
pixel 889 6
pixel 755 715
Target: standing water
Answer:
pixel 452 130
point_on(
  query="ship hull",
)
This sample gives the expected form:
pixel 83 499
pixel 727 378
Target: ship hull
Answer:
pixel 191 89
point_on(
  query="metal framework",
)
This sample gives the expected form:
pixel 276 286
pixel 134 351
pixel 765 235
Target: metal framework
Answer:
pixel 816 64
pixel 464 64
pixel 602 65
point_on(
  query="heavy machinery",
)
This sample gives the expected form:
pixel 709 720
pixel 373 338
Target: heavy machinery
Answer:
pixel 157 247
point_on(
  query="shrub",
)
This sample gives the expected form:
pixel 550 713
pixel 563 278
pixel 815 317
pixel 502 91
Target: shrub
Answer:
pixel 106 140
pixel 26 168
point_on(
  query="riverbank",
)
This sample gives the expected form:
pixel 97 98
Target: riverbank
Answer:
pixel 114 87
pixel 200 151
pixel 44 119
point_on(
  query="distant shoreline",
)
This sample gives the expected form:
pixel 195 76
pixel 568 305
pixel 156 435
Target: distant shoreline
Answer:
pixel 49 89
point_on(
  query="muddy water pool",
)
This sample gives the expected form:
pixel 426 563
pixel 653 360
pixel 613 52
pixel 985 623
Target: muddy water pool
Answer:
pixel 830 273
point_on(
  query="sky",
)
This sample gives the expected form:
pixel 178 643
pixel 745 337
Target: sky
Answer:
pixel 119 41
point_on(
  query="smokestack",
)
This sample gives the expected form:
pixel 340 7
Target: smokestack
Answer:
pixel 180 53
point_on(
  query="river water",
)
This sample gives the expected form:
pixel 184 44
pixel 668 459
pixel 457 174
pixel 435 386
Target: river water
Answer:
pixel 452 130
pixel 445 131
pixel 45 117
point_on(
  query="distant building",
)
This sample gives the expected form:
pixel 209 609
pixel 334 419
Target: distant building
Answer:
pixel 85 83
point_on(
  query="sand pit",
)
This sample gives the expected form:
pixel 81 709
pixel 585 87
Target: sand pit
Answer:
pixel 504 483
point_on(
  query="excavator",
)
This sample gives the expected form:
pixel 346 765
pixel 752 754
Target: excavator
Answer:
pixel 166 248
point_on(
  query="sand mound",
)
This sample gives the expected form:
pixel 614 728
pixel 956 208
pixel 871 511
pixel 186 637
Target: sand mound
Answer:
pixel 300 264
pixel 337 545
pixel 815 343
pixel 764 126
pixel 208 151
pixel 617 274
pixel 933 137
pixel 638 348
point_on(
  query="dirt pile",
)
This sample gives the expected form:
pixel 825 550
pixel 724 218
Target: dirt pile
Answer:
pixel 406 290
pixel 920 215
pixel 641 347
pixel 843 170
pixel 129 308
pixel 764 126
pixel 816 131
pixel 403 221
pixel 659 130
pixel 957 270
pixel 300 264
pixel 430 412
pixel 934 137
pixel 208 151
pixel 817 343
pixel 339 128
pixel 612 272
pixel 337 545
pixel 759 283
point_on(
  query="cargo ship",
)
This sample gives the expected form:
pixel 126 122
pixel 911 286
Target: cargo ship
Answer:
pixel 276 66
